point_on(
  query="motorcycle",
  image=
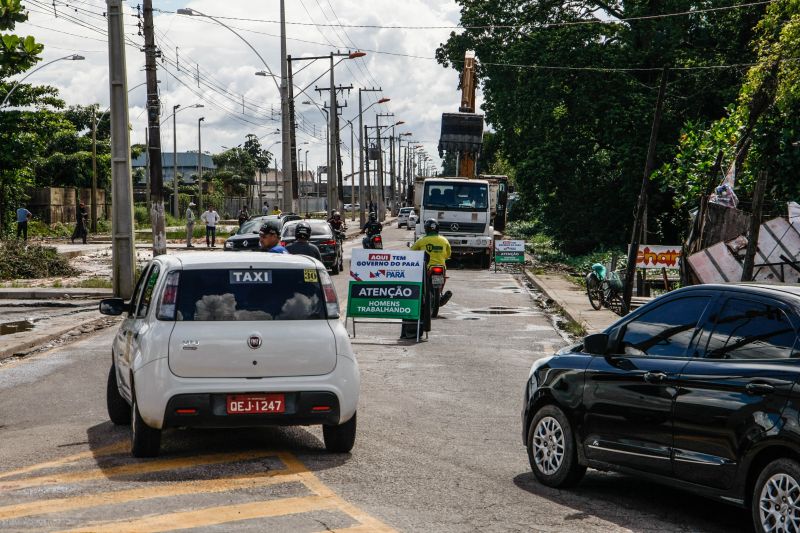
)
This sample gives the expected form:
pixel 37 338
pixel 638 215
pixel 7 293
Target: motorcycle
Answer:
pixel 374 242
pixel 436 278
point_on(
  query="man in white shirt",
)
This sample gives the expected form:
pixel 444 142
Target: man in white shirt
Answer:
pixel 265 208
pixel 189 225
pixel 210 217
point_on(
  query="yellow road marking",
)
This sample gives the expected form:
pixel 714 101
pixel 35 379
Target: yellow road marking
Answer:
pixel 314 484
pixel 213 516
pixel 111 449
pixel 134 469
pixel 62 505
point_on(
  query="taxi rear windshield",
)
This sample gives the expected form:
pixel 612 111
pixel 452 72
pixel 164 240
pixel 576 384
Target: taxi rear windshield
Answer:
pixel 249 294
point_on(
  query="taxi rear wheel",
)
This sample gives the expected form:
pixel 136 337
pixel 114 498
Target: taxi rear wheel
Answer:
pixel 119 412
pixel 145 441
pixel 341 438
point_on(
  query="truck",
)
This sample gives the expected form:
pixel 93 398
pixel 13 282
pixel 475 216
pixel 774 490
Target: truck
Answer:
pixel 462 207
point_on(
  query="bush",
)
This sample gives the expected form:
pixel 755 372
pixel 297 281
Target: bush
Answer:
pixel 20 260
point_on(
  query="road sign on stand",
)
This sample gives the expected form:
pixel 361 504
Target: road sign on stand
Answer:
pixel 506 251
pixel 385 284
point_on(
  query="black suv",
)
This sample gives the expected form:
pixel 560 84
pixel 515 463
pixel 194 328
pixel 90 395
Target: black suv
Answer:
pixel 697 389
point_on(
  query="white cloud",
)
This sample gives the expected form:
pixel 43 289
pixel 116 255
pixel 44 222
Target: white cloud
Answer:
pixel 420 89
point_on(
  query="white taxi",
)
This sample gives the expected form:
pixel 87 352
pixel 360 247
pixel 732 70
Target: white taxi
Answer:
pixel 212 340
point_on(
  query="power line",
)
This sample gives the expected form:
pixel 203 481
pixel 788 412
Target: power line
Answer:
pixel 503 26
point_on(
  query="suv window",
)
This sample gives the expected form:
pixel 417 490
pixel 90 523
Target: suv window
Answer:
pixel 147 292
pixel 747 329
pixel 250 294
pixel 665 331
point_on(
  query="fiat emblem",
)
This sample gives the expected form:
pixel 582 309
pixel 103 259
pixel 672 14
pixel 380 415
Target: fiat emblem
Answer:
pixel 254 341
pixel 454 227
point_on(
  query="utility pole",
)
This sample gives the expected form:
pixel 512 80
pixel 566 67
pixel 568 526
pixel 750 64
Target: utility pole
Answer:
pixel 154 141
pixel 286 145
pixel 122 249
pixel 174 163
pixel 755 226
pixel 352 175
pixel 94 170
pixel 641 204
pixel 292 133
pixel 199 166
pixel 391 171
pixel 366 165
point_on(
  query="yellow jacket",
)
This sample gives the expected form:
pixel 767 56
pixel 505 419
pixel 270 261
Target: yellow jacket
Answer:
pixel 438 248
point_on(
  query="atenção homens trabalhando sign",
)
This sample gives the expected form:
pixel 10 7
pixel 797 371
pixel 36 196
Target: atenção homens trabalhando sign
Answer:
pixel 385 284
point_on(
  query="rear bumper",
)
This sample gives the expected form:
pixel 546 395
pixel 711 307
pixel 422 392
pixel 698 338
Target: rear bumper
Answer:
pixel 157 388
pixel 210 410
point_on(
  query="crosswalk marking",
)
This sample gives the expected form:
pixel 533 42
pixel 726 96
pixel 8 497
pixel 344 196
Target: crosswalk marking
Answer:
pixel 292 471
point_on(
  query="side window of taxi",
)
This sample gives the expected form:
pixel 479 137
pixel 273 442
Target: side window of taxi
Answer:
pixel 147 292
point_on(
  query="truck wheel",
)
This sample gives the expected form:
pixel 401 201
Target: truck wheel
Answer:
pixel 119 412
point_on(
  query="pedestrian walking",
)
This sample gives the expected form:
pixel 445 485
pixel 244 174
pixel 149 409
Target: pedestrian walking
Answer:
pixel 210 217
pixel 189 225
pixel 80 231
pixel 23 217
pixel 243 216
pixel 276 211
pixel 265 208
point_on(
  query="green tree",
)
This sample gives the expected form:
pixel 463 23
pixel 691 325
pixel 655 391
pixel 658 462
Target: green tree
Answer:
pixel 236 169
pixel 572 125
pixel 17 54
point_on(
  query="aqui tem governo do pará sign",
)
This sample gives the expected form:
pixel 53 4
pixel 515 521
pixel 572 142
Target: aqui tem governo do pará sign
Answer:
pixel 385 284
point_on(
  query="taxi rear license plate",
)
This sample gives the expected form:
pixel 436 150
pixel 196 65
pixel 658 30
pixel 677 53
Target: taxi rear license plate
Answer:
pixel 246 404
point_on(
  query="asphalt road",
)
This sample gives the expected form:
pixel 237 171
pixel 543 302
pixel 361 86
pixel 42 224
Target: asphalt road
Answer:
pixel 438 446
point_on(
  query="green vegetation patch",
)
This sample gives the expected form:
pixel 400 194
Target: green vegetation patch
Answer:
pixel 19 260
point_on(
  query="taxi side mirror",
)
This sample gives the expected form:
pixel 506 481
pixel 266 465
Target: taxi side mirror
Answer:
pixel 113 306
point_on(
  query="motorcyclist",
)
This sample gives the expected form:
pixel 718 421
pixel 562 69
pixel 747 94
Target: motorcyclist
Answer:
pixel 301 246
pixel 438 249
pixel 371 228
pixel 336 221
pixel 269 238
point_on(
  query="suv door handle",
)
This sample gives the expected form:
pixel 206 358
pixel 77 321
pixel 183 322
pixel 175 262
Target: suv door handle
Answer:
pixel 759 388
pixel 654 377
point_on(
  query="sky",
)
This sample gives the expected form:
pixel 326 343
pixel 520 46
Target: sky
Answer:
pixel 419 88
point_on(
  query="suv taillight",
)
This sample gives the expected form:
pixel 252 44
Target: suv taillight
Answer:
pixel 166 308
pixel 331 300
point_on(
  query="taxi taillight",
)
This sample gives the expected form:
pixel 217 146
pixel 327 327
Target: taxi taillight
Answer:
pixel 166 309
pixel 331 300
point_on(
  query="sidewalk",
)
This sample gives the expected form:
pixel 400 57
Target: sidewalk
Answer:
pixel 572 299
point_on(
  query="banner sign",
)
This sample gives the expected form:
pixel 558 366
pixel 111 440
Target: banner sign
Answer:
pixel 385 284
pixel 509 252
pixel 658 256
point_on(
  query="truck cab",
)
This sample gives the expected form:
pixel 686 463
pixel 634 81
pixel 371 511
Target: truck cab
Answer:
pixel 462 208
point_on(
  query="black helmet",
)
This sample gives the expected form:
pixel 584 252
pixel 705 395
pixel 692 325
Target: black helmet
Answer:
pixel 302 230
pixel 373 216
pixel 431 226
pixel 270 226
pixel 337 214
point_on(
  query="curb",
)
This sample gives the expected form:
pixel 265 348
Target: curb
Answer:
pixel 29 345
pixel 51 293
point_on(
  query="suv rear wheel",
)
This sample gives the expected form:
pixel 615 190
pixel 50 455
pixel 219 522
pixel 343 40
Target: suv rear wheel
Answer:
pixel 145 441
pixel 340 439
pixel 119 412
pixel 551 449
pixel 775 502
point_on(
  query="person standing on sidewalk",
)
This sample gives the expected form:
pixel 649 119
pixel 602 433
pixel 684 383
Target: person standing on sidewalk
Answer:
pixel 243 216
pixel 80 224
pixel 189 225
pixel 23 216
pixel 210 218
pixel 265 209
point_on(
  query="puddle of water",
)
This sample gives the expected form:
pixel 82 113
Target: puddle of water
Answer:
pixel 15 327
pixel 469 318
pixel 491 311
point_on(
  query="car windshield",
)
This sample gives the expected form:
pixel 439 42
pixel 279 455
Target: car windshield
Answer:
pixel 249 294
pixel 456 196
pixel 318 229
pixel 251 226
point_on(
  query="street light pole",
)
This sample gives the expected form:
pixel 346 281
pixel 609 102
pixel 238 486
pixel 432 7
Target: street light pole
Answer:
pixel 352 174
pixel 174 163
pixel 199 166
pixel 362 147
pixel 333 199
pixel 71 57
pixel 286 124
